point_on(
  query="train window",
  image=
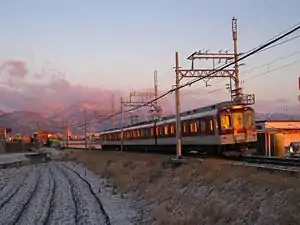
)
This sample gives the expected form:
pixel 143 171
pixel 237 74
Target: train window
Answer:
pixel 157 131
pixel 211 125
pixel 249 119
pixel 166 130
pixel 237 119
pixel 193 127
pixel 202 126
pixel 184 127
pixel 152 132
pixel 172 129
pixel 226 122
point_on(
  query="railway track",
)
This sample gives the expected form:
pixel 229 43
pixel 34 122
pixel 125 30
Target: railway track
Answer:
pixel 271 160
pixel 271 163
pixel 106 217
pixel 52 193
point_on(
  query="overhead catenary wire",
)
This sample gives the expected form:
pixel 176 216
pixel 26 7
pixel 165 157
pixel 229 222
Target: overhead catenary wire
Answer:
pixel 275 69
pixel 244 56
pixel 248 71
pixel 280 43
pixel 260 74
pixel 271 62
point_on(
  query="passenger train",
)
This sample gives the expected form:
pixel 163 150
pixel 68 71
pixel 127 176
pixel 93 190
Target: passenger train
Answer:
pixel 222 129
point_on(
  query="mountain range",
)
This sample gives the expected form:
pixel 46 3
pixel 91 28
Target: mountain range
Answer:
pixel 76 115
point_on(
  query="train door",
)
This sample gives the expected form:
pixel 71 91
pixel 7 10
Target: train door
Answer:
pixel 239 134
pixel 249 124
pixel 225 128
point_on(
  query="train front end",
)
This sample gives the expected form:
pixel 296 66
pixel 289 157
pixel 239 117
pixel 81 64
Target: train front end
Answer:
pixel 237 129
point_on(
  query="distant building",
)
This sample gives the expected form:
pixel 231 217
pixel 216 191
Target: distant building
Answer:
pixel 274 136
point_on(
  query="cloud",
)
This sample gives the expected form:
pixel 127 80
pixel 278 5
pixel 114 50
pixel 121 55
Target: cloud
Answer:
pixel 14 68
pixel 48 90
pixel 45 91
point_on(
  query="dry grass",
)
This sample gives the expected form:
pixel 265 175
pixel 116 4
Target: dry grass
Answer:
pixel 206 192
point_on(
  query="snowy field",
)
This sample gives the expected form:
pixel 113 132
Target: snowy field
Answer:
pixel 59 193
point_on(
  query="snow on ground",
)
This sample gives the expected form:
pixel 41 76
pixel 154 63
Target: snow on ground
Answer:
pixel 59 193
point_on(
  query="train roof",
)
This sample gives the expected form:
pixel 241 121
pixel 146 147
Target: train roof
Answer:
pixel 185 113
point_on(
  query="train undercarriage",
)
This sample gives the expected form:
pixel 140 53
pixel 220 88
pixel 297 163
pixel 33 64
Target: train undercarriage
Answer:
pixel 236 150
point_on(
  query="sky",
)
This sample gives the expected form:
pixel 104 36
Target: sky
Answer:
pixel 69 50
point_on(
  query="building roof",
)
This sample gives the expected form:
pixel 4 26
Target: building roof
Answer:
pixel 273 120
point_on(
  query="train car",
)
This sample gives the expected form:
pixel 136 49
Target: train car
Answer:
pixel 223 128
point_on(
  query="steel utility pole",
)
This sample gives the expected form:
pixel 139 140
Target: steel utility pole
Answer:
pixel 237 90
pixel 122 122
pixel 113 111
pixel 178 120
pixel 156 108
pixel 144 97
pixel 67 133
pixel 62 133
pixel 85 130
pixel 231 72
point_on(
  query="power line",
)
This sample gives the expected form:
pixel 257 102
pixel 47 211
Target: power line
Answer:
pixel 255 50
pixel 275 69
pixel 271 62
pixel 283 42
pixel 293 27
pixel 263 65
pixel 260 74
pixel 250 53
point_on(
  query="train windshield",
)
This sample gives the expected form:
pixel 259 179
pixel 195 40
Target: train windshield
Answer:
pixel 226 122
pixel 237 120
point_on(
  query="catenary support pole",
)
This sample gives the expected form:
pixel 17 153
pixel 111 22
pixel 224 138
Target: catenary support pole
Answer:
pixel 177 102
pixel 122 118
